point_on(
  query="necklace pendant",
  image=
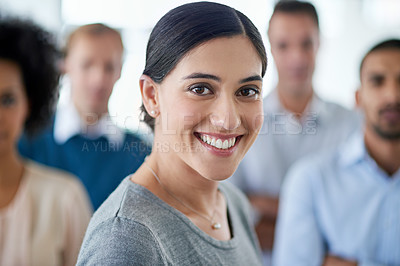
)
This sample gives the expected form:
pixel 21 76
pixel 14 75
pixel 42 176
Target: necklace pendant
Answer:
pixel 216 226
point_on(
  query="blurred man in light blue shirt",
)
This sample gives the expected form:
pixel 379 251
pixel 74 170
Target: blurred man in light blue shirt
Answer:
pixel 343 207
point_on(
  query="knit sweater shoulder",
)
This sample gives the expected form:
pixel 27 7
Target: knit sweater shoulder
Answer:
pixel 135 227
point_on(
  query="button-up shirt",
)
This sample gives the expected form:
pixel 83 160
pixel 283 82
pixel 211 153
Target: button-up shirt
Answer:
pixel 339 203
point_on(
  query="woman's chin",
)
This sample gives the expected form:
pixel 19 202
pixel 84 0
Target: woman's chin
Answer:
pixel 217 174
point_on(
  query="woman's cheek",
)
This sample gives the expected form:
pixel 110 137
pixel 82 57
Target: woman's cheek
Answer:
pixel 256 118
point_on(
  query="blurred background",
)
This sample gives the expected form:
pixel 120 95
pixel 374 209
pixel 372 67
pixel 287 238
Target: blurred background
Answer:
pixel 348 29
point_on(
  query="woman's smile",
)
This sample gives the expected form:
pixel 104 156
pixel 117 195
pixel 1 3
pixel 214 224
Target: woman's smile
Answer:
pixel 218 144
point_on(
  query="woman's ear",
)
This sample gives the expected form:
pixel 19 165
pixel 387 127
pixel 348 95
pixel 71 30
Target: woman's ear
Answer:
pixel 358 98
pixel 149 90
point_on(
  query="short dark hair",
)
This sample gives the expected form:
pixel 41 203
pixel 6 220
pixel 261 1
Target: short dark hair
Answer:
pixel 34 51
pixel 296 7
pixel 188 26
pixel 96 29
pixel 383 45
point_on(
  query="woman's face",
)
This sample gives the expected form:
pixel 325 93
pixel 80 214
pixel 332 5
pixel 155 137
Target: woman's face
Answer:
pixel 13 105
pixel 210 106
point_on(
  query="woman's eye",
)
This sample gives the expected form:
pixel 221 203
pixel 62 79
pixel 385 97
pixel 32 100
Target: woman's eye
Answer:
pixel 7 100
pixel 248 92
pixel 200 90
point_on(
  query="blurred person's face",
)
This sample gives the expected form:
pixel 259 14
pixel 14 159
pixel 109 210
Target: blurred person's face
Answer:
pixel 93 65
pixel 294 42
pixel 210 114
pixel 13 106
pixel 379 95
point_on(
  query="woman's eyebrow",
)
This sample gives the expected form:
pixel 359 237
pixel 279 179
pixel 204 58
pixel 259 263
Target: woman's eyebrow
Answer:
pixel 7 89
pixel 252 78
pixel 202 76
pixel 213 77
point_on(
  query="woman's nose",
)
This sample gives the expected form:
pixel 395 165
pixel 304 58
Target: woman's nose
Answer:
pixel 225 114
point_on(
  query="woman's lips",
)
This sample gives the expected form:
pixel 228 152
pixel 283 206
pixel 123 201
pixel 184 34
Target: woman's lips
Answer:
pixel 219 145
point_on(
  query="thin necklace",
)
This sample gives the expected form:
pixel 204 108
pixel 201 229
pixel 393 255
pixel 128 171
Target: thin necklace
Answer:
pixel 214 225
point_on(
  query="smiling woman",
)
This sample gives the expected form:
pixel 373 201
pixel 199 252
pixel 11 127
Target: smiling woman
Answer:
pixel 201 91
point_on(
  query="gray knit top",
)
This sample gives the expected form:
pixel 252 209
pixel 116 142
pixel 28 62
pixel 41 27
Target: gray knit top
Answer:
pixel 135 227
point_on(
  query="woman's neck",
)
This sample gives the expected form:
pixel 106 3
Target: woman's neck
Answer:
pixel 11 165
pixel 11 172
pixel 183 181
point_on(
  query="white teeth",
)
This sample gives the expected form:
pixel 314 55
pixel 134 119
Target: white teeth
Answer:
pixel 225 144
pixel 218 143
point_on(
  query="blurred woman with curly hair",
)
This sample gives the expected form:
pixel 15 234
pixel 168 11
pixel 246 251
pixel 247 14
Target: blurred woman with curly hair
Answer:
pixel 43 212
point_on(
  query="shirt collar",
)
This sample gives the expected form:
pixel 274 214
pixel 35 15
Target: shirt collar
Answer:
pixel 315 110
pixel 68 124
pixel 353 150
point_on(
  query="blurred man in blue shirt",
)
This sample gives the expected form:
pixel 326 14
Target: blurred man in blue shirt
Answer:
pixel 83 139
pixel 343 207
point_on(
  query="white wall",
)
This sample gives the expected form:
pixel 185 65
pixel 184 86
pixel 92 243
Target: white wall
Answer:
pixel 45 12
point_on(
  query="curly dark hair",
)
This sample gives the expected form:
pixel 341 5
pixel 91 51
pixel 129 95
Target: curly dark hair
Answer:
pixel 34 51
